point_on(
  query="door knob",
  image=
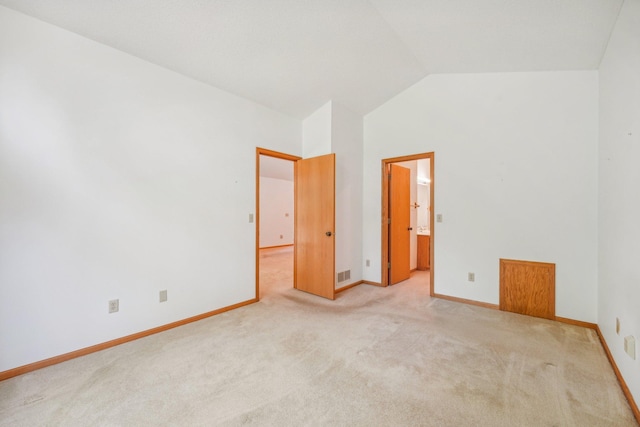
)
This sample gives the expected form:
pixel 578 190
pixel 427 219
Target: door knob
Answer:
pixel 410 228
pixel 328 233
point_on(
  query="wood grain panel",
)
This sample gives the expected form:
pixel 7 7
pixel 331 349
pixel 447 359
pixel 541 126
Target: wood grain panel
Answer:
pixel 315 225
pixel 528 287
pixel 424 252
pixel 400 215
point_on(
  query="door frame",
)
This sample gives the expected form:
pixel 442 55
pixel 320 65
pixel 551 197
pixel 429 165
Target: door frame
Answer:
pixel 283 156
pixel 385 214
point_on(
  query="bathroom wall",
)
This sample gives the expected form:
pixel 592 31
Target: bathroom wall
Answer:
pixel 423 196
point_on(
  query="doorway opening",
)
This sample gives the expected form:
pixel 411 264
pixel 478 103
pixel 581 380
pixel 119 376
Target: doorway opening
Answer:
pixel 275 219
pixel 396 231
pixel 314 222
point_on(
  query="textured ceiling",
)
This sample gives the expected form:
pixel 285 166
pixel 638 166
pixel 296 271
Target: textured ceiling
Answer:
pixel 295 55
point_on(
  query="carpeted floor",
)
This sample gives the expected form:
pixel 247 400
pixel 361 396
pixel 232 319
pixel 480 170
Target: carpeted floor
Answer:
pixel 374 357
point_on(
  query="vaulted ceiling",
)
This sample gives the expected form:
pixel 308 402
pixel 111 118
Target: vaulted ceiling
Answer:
pixel 295 55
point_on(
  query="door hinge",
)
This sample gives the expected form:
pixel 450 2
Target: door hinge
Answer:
pixel 388 265
pixel 389 221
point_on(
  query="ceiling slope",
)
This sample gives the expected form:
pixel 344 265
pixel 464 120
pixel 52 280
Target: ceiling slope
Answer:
pixel 478 36
pixel 294 56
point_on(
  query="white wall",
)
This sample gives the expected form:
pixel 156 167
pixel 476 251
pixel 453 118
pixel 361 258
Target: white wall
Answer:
pixel 346 142
pixel 316 132
pixel 515 177
pixel 335 129
pixel 619 198
pixel 276 212
pixel 424 172
pixel 118 179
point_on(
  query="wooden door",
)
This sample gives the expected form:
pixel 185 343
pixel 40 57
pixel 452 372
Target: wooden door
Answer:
pixel 528 288
pixel 315 226
pixel 400 225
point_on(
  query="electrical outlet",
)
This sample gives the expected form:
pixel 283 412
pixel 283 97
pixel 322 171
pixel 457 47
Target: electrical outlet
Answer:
pixel 368 263
pixel 281 236
pixel 617 326
pixel 163 296
pixel 439 218
pixel 250 217
pixel 114 306
pixel 471 277
pixel 630 346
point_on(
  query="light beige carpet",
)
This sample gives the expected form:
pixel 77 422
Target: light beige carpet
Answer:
pixel 374 357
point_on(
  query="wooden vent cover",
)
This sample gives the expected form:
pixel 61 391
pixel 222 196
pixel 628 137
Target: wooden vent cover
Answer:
pixel 528 287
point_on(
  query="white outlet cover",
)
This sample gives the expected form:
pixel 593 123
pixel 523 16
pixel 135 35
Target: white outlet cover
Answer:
pixel 630 346
pixel 114 306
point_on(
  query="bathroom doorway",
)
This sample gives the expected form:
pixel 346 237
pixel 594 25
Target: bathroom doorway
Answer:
pixel 419 227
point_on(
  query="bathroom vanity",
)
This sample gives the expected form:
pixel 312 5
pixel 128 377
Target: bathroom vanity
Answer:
pixel 424 251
